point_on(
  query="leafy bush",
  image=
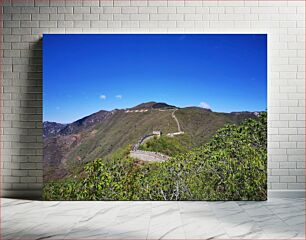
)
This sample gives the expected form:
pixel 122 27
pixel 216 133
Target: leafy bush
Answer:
pixel 232 166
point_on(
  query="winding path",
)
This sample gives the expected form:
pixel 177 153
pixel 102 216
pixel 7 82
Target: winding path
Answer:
pixel 179 131
pixel 149 156
pixel 176 120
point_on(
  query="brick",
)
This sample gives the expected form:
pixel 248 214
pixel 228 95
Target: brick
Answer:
pixel 48 10
pixel 91 16
pixel 229 17
pixel 300 179
pixel 296 172
pixel 47 24
pixel 58 3
pixel 130 24
pixel 29 10
pixel 158 3
pixel 35 173
pixel 287 145
pixel 63 10
pixel 138 3
pixel 296 186
pixel 112 10
pixel 277 186
pixel 98 24
pixel 147 9
pixel 82 24
pixel 113 24
pixel 166 10
pixel 296 158
pixel 72 3
pixel 104 17
pixel 11 179
pixel 29 24
pixel 21 31
pixel 287 165
pixel 148 24
pixel 185 10
pixel 287 179
pixel 158 17
pixel 19 173
pixel 176 17
pixel 185 24
pixel 81 9
pixel 57 17
pixel 23 3
pixel 273 179
pixel 20 46
pixel 65 24
pixel 21 17
pixel 75 16
pixel 96 10
pixel 10 9
pixel 221 24
pixel 296 151
pixel 42 3
pixel 139 17
pixel 202 10
pixel 300 164
pixel 91 3
pixel 193 17
pixel 40 16
pixel 27 179
pixel 191 3
pixel 129 10
pixel 11 24
pixel 231 3
pixel 167 24
pixel 287 131
pixel 121 17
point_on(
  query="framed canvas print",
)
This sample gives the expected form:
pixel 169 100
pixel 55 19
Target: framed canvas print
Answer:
pixel 155 116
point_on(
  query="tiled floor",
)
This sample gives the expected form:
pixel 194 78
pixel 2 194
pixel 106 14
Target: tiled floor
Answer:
pixel 273 219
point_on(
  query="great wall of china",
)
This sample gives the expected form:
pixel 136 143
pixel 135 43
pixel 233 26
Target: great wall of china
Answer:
pixel 152 156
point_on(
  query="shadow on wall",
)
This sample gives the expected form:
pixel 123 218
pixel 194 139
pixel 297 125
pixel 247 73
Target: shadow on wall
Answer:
pixel 29 153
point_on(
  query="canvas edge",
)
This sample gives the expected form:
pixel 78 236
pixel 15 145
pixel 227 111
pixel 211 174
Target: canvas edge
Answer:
pixel 22 194
pixel 37 194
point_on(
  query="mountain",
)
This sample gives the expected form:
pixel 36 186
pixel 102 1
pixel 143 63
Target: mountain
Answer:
pixel 104 132
pixel 153 105
pixel 85 122
pixel 51 129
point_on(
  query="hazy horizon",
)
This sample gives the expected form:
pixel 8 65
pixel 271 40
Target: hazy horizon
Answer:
pixel 86 73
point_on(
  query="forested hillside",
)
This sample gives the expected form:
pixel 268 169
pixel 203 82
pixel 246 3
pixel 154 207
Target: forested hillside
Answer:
pixel 230 166
pixel 103 133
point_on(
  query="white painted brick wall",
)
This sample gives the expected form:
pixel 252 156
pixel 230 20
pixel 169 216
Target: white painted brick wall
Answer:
pixel 24 21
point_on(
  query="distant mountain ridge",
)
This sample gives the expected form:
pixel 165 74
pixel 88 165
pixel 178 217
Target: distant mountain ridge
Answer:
pixel 103 132
pixel 85 122
pixel 153 105
pixel 52 129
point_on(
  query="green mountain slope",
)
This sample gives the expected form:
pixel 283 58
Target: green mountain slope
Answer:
pixel 120 128
pixel 201 124
pixel 231 166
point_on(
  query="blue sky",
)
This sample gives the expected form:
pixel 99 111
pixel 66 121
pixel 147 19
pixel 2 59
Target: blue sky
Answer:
pixel 84 73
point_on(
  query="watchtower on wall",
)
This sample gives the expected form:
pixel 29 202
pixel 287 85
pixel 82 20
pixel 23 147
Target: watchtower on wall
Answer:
pixel 157 133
